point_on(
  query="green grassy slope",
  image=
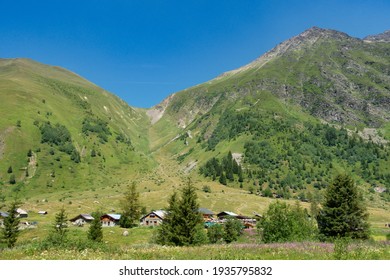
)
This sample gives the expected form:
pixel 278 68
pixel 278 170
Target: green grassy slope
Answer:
pixel 33 94
pixel 316 105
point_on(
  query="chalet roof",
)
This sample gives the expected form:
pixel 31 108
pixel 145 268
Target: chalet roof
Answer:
pixel 205 211
pixel 227 213
pixel 86 217
pixel 115 217
pixel 160 213
pixel 4 214
pixel 20 211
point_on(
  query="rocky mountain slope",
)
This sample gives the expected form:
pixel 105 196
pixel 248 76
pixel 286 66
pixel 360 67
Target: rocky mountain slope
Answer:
pixel 317 98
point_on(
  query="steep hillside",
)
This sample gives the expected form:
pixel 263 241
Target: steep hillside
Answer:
pixel 315 105
pixel 58 131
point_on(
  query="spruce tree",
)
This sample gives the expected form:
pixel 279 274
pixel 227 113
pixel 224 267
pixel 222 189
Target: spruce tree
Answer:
pixel 222 179
pixel 183 225
pixel 95 232
pixel 60 227
pixel 131 208
pixel 10 231
pixel 343 213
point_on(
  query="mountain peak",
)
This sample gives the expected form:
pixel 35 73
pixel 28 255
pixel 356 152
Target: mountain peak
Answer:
pixel 382 37
pixel 305 39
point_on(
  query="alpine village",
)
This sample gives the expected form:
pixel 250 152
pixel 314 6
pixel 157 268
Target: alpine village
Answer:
pixel 287 157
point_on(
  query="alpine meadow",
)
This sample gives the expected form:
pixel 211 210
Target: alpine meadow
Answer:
pixel 287 157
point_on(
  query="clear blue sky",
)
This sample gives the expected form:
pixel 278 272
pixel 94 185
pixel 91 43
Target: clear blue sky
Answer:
pixel 145 50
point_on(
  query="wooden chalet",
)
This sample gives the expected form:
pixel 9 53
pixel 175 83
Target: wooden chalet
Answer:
pixel 81 219
pixel 22 213
pixel 226 214
pixel 154 218
pixel 206 214
pixel 110 220
pixel 42 212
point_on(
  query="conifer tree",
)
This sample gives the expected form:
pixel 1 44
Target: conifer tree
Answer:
pixel 222 179
pixel 95 232
pixel 60 227
pixel 10 231
pixel 343 213
pixel 131 207
pixel 183 225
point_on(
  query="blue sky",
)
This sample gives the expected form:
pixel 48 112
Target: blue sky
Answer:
pixel 143 51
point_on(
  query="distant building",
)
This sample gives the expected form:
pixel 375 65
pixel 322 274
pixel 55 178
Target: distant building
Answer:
pixel 226 214
pixel 22 213
pixel 42 212
pixel 3 215
pixel 82 219
pixel 110 220
pixel 206 214
pixel 154 218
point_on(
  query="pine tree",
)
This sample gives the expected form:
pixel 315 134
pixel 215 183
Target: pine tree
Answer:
pixel 12 179
pixel 343 213
pixel 131 208
pixel 222 179
pixel 11 225
pixel 9 170
pixel 95 232
pixel 183 225
pixel 60 227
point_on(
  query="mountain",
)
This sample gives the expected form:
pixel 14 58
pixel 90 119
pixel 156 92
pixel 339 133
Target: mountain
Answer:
pixel 383 37
pixel 315 105
pixel 283 125
pixel 59 131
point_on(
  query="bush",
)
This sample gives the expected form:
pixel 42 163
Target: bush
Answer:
pixel 215 233
pixel 232 228
pixel 283 223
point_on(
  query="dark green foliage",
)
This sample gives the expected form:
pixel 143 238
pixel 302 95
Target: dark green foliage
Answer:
pixel 60 228
pixel 232 230
pixel 222 179
pixel 97 126
pixel 95 232
pixel 294 154
pixel 9 169
pixel 206 189
pixel 215 233
pixel 225 169
pixel 60 136
pixel 131 208
pixel 18 123
pixel 75 156
pixel 29 153
pixel 12 179
pixel 283 223
pixel 183 225
pixel 10 231
pixel 343 213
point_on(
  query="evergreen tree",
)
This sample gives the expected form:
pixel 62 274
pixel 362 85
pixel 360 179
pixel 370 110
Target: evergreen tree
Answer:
pixel 12 179
pixel 131 208
pixel 9 170
pixel 232 229
pixel 343 213
pixel 95 232
pixel 29 153
pixel 222 179
pixel 60 227
pixel 183 225
pixel 11 225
